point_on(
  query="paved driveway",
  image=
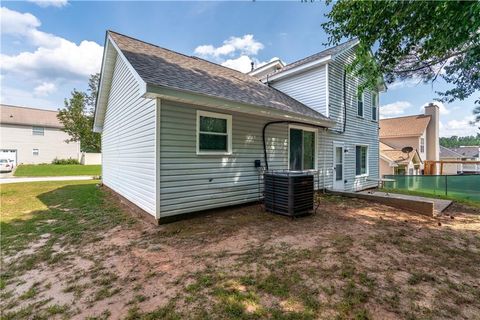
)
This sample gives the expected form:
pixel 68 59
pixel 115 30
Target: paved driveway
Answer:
pixel 4 180
pixel 5 175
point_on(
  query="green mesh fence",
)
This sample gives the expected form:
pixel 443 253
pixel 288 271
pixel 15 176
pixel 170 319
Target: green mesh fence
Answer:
pixel 460 187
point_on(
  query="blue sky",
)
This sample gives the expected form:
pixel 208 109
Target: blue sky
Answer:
pixel 50 47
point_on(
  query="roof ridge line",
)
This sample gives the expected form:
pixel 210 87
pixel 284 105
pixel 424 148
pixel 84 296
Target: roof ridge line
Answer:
pixel 413 115
pixel 179 53
pixel 22 107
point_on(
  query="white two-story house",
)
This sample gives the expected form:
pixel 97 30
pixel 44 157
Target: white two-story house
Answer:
pixel 33 136
pixel 197 131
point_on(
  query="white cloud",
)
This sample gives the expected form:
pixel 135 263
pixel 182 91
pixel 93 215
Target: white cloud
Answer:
pixel 54 57
pixel 441 107
pixel 394 109
pixel 462 127
pixel 50 3
pixel 20 97
pixel 243 45
pixel 45 89
pixel 408 83
pixel 239 50
pixel 244 63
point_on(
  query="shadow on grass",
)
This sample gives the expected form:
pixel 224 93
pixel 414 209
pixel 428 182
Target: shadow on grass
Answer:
pixel 78 213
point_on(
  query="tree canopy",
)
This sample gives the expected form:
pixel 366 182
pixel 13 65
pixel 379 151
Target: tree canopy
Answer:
pixel 413 39
pixel 455 141
pixel 78 115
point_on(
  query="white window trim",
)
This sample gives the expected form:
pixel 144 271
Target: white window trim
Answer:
pixel 376 100
pixel 315 131
pixel 363 104
pixel 422 145
pixel 33 152
pixel 367 164
pixel 229 132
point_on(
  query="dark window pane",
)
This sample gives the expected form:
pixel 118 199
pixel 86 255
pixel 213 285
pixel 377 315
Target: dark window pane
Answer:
pixel 296 138
pixel 360 160
pixel 208 124
pixel 338 172
pixel 360 108
pixel 213 142
pixel 308 150
pixel 358 170
pixel 374 113
pixel 364 160
pixel 338 163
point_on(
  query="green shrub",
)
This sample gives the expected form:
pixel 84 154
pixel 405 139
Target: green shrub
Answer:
pixel 65 161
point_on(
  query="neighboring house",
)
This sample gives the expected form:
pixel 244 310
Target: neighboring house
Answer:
pixel 470 153
pixel 396 162
pixel 421 132
pixel 181 134
pixel 33 136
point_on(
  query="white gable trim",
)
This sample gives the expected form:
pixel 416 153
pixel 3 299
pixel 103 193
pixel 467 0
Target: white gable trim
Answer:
pixel 108 64
pixel 299 69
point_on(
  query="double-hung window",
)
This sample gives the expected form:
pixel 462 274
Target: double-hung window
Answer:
pixel 35 152
pixel 361 160
pixel 360 103
pixel 214 133
pixel 422 145
pixel 38 131
pixel 374 106
pixel 302 148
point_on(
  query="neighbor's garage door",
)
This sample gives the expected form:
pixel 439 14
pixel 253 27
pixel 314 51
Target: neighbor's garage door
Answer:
pixel 9 154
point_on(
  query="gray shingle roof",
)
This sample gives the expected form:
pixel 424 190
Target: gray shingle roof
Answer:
pixel 468 152
pixel 162 67
pixel 29 116
pixel 448 153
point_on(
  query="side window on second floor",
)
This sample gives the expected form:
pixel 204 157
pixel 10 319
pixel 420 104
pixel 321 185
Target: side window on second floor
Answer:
pixel 38 131
pixel 374 106
pixel 422 145
pixel 360 99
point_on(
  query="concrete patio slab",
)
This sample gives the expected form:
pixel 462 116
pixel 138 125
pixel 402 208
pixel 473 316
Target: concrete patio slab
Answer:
pixel 422 205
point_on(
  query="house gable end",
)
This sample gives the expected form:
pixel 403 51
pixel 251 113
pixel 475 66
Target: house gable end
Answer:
pixel 110 55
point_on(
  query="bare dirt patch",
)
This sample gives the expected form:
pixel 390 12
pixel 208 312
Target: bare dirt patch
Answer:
pixel 353 259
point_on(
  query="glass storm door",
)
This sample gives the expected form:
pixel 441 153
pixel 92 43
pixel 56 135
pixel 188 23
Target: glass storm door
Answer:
pixel 338 152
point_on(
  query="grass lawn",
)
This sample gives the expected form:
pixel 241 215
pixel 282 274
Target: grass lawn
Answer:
pixel 49 170
pixel 69 251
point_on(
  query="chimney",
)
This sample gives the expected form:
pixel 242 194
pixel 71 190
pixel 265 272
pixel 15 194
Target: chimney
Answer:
pixel 432 134
pixel 253 65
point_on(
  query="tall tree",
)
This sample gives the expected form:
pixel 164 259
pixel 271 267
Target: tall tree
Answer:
pixel 413 39
pixel 77 117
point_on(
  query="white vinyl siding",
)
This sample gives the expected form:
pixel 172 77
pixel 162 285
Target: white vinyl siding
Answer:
pixel 308 87
pixel 357 130
pixel 191 182
pixel 51 145
pixel 129 141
